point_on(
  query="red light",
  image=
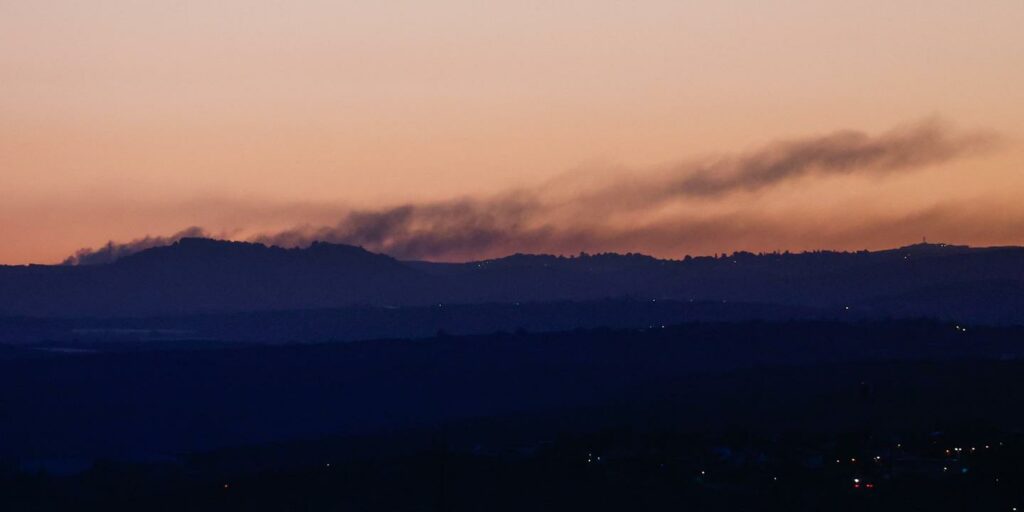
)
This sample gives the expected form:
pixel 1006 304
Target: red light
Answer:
pixel 856 486
pixel 870 486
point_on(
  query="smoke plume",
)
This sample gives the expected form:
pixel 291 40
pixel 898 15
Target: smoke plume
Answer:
pixel 614 212
pixel 112 251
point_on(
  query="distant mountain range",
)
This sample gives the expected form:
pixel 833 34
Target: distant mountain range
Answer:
pixel 204 276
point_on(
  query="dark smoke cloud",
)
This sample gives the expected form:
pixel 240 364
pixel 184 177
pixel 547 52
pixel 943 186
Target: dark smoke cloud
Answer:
pixel 838 153
pixel 456 227
pixel 113 251
pixel 533 220
pixel 616 213
pixel 843 152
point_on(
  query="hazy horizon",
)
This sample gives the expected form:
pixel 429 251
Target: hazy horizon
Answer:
pixel 453 131
pixel 113 251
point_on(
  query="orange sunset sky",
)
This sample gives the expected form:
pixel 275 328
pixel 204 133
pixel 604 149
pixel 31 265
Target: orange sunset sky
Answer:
pixel 452 129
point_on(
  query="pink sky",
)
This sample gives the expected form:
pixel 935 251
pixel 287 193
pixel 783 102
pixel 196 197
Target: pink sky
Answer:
pixel 121 119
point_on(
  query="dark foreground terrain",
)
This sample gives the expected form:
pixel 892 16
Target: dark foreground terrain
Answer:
pixel 612 469
pixel 804 415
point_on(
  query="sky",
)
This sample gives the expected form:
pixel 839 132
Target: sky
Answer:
pixel 454 130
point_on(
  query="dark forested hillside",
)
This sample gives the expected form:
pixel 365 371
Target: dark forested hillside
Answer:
pixel 207 276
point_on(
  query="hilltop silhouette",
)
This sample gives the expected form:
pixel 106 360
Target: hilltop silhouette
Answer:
pixel 197 275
